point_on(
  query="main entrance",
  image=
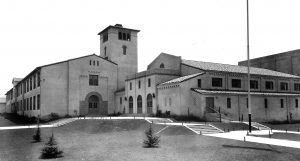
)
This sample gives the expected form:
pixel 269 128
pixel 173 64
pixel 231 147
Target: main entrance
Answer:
pixel 210 104
pixel 93 104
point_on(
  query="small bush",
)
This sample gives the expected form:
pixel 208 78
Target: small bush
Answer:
pixel 53 116
pixel 115 114
pixel 51 150
pixel 152 140
pixel 159 113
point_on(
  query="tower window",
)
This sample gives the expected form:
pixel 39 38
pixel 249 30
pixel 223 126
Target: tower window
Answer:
pixel 162 65
pixel 124 49
pixel 130 86
pixel 105 37
pixel 124 36
pixel 139 84
pixel 149 82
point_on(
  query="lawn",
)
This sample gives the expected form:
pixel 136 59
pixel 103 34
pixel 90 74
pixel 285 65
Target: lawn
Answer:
pixel 289 127
pixel 121 140
pixel 283 136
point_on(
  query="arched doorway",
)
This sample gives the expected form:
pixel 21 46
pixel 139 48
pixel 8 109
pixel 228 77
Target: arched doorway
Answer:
pixel 94 104
pixel 139 104
pixel 149 103
pixel 130 104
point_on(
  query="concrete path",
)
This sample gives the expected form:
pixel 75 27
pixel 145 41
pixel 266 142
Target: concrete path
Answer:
pixel 242 136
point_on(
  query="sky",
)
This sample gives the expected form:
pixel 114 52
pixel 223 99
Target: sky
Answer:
pixel 39 32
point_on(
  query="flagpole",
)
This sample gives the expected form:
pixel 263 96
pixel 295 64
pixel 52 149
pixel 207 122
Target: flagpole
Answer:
pixel 248 68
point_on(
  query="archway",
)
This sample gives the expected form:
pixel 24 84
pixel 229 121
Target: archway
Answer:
pixel 139 104
pixel 93 104
pixel 149 103
pixel 130 104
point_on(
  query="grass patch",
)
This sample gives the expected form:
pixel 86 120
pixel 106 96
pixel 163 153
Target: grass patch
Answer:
pixel 122 140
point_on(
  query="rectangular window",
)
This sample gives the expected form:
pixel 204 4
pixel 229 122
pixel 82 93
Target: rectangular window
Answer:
pixel 284 86
pixel 236 83
pixel 105 37
pixel 38 102
pixel 139 84
pixel 24 104
pixel 24 87
pixel 120 100
pixel 165 101
pixel 93 80
pixel 33 102
pixel 266 103
pixel 269 85
pixel 27 85
pixel 228 103
pixel 149 82
pixel 216 82
pixel 199 83
pixel 281 103
pixel 247 102
pixel 34 85
pixel 38 79
pixel 130 86
pixel 296 103
pixel 170 102
pixel 30 83
pixel 296 86
pixel 120 35
pixel 253 84
pixel 124 49
pixel 97 63
pixel 30 103
pixel 27 104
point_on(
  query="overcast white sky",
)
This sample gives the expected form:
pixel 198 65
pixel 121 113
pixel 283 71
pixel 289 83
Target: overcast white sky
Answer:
pixel 38 32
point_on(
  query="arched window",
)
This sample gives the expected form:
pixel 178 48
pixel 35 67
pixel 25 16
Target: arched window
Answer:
pixel 162 65
pixel 139 104
pixel 149 100
pixel 130 104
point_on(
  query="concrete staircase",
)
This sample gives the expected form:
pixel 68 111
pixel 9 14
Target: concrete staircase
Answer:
pixel 203 128
pixel 258 126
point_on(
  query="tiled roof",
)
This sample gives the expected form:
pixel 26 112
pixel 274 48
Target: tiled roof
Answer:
pixel 201 91
pixel 235 69
pixel 181 79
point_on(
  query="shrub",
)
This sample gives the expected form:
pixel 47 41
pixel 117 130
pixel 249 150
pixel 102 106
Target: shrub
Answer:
pixel 158 113
pixel 51 150
pixel 53 116
pixel 152 140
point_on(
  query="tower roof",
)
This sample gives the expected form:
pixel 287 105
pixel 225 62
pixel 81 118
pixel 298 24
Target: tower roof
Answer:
pixel 117 26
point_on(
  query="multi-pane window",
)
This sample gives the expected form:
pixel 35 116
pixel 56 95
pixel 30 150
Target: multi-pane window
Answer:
pixel 105 37
pixel 253 84
pixel 228 103
pixel 297 87
pixel 296 103
pixel 269 85
pixel 236 83
pixel 38 102
pixel 93 80
pixel 216 82
pixel 284 86
pixel 199 83
pixel 281 103
pixel 149 82
pixel 124 36
pixel 266 103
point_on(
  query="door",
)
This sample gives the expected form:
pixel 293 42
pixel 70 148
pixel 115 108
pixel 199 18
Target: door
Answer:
pixel 210 104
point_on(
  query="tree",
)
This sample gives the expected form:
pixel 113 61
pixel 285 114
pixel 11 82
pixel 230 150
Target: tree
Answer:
pixel 152 140
pixel 51 150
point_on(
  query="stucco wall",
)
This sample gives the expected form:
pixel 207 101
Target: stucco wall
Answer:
pixel 169 61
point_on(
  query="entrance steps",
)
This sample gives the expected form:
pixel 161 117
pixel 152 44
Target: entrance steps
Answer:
pixel 203 128
pixel 258 126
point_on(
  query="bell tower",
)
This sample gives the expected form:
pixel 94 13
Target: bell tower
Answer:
pixel 119 44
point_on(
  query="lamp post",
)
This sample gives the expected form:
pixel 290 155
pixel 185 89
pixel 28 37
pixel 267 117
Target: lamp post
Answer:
pixel 248 69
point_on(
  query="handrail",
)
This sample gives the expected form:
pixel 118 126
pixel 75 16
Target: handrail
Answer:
pixel 225 115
